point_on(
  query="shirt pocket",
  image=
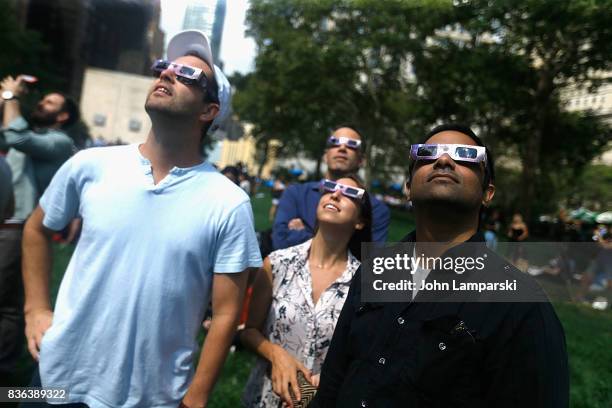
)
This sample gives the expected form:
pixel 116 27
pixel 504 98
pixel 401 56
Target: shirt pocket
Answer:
pixel 447 357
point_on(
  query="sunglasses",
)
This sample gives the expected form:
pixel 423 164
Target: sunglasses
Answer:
pixel 185 74
pixel 348 142
pixel 457 152
pixel 330 186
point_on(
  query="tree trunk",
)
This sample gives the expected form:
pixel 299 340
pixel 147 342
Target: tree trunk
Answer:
pixel 264 158
pixel 533 144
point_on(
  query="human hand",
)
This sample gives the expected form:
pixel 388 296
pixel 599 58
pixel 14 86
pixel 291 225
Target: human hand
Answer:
pixel 37 322
pixel 193 399
pixel 284 375
pixel 296 224
pixel 315 379
pixel 190 404
pixel 15 85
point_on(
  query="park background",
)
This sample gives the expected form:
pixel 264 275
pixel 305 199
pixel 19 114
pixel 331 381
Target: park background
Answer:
pixel 532 77
pixel 588 332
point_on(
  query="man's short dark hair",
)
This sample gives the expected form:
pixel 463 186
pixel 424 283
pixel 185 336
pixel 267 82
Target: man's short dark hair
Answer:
pixel 489 177
pixel 72 109
pixel 211 95
pixel 355 129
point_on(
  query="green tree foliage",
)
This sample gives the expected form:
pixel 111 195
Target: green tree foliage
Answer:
pixel 504 71
pixel 396 68
pixel 24 51
pixel 322 63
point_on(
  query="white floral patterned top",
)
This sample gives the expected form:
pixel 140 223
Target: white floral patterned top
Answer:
pixel 294 322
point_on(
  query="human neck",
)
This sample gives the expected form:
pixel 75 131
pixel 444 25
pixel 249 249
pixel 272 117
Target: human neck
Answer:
pixel 446 229
pixel 171 144
pixel 336 175
pixel 328 247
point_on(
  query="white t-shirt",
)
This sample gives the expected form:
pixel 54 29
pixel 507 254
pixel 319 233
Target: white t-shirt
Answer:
pixel 419 276
pixel 134 295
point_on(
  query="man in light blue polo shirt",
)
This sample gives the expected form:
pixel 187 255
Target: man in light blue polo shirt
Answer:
pixel 163 234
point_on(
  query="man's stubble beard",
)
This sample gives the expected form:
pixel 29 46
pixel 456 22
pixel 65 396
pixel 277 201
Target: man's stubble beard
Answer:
pixel 43 119
pixel 445 204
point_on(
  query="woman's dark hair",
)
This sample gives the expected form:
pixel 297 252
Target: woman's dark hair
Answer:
pixel 365 215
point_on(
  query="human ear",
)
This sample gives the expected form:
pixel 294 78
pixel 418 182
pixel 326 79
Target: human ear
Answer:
pixel 487 195
pixel 209 112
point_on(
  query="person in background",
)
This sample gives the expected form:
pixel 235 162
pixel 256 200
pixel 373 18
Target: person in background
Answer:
pixel 517 233
pixel 299 293
pixel 278 187
pixel 490 235
pixel 244 182
pixel 296 212
pixel 7 198
pixel 36 149
pixel 232 173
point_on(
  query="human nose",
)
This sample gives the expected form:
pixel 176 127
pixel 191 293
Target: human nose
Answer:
pixel 336 194
pixel 168 73
pixel 444 161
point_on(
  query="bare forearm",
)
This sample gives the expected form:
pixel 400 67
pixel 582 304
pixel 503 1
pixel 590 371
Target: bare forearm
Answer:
pixel 11 112
pixel 252 339
pixel 36 267
pixel 214 352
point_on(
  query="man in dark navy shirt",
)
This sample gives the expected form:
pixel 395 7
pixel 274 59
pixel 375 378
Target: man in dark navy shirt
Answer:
pixel 296 213
pixel 423 352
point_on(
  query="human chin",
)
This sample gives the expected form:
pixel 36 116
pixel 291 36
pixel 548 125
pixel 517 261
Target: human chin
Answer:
pixel 445 197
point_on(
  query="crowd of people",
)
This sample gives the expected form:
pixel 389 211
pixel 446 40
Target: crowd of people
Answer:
pixel 165 235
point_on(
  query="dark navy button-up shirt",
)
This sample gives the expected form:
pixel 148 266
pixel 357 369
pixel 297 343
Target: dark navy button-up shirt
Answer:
pixel 445 354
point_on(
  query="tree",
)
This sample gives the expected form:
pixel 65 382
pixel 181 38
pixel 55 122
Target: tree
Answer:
pixel 24 51
pixel 396 68
pixel 503 66
pixel 327 62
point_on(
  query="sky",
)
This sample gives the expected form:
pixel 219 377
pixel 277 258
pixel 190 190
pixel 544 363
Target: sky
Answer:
pixel 237 51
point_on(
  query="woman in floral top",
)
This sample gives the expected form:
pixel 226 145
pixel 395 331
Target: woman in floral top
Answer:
pixel 299 293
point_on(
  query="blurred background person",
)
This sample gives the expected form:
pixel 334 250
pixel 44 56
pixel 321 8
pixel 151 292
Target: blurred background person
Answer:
pixel 296 212
pixel 278 187
pixel 35 150
pixel 301 288
pixel 517 233
pixel 232 173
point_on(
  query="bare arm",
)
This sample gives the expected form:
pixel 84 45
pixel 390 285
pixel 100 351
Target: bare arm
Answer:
pixel 525 233
pixel 227 298
pixel 284 365
pixel 11 108
pixel 36 269
pixel 252 336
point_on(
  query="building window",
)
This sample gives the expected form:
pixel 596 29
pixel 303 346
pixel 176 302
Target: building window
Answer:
pixel 99 120
pixel 135 125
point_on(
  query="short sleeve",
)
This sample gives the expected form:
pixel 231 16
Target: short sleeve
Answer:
pixel 237 247
pixel 61 199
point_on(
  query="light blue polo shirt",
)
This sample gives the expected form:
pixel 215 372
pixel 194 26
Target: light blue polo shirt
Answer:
pixel 134 295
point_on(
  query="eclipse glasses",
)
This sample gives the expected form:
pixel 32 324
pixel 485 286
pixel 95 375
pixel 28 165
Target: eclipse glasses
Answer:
pixel 331 186
pixel 185 74
pixel 457 152
pixel 341 140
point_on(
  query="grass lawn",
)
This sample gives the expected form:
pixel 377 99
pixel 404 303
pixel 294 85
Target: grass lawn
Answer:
pixel 588 333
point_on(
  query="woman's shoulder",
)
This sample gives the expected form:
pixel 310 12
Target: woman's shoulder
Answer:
pixel 299 251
